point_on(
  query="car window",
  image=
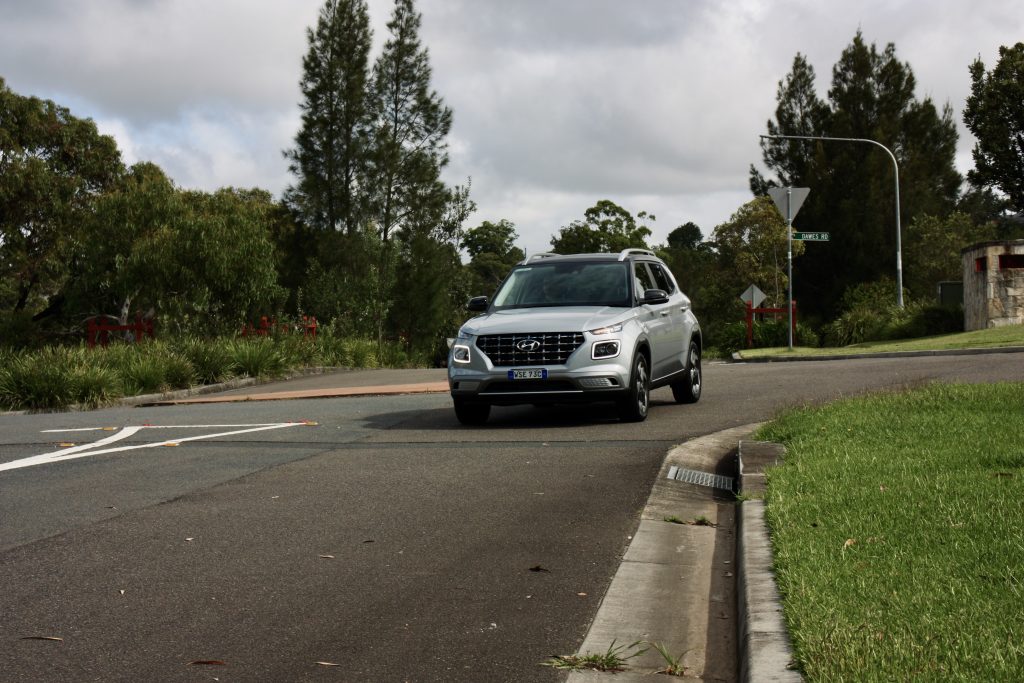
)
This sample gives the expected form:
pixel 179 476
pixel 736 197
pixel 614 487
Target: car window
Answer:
pixel 661 277
pixel 573 283
pixel 642 279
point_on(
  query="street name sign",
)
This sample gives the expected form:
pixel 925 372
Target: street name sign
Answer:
pixel 811 236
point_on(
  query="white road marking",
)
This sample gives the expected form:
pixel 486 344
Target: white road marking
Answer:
pixel 97 447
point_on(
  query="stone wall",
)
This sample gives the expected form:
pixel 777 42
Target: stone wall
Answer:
pixel 993 284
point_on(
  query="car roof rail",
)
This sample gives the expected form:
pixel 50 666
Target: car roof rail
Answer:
pixel 537 257
pixel 625 253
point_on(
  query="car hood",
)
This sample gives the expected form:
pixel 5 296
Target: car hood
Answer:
pixel 545 319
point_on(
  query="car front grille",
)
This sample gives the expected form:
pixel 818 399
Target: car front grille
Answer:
pixel 514 350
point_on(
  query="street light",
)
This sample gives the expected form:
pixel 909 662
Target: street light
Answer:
pixel 896 175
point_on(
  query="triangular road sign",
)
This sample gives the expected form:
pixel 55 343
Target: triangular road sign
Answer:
pixel 793 196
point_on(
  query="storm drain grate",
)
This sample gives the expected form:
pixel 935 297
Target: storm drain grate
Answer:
pixel 715 481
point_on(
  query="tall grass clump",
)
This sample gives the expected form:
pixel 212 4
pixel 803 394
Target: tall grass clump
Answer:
pixel 36 381
pixel 257 357
pixel 211 359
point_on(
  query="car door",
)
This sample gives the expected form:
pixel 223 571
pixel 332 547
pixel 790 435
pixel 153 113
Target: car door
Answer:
pixel 656 319
pixel 675 315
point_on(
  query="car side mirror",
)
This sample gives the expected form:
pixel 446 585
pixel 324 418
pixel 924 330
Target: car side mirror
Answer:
pixel 478 304
pixel 655 296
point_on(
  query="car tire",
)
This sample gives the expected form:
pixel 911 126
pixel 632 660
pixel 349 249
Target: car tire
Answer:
pixel 634 406
pixel 688 390
pixel 473 414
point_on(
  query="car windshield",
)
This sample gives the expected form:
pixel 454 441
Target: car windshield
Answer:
pixel 574 283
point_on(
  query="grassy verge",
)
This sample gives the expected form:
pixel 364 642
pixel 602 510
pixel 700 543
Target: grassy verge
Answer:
pixel 59 377
pixel 897 523
pixel 978 339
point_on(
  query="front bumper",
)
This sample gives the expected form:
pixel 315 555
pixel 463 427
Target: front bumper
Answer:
pixel 572 382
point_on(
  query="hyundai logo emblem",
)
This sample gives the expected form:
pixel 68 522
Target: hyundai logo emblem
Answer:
pixel 528 345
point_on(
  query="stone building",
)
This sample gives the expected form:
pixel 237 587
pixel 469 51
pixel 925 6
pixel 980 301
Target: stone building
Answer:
pixel 993 284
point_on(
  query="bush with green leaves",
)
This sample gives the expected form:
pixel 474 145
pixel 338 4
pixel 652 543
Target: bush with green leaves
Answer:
pixel 211 359
pixel 258 357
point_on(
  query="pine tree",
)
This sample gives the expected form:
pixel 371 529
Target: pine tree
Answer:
pixel 410 128
pixel 329 157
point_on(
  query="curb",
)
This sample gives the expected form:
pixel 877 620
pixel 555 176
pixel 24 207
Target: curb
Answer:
pixel 737 358
pixel 765 650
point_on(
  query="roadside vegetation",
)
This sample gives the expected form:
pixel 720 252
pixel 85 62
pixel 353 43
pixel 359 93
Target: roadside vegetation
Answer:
pixel 55 378
pixel 898 530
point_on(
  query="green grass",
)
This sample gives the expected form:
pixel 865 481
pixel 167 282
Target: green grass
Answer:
pixel 995 337
pixel 614 659
pixel 897 523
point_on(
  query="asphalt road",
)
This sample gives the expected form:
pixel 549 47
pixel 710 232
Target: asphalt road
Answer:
pixel 385 538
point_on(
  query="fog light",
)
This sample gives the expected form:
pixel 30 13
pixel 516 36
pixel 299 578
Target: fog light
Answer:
pixel 597 383
pixel 604 349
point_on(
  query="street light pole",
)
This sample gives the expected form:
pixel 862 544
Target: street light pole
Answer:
pixel 896 175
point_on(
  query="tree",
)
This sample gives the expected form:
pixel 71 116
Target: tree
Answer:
pixel 606 227
pixel 933 250
pixel 688 257
pixel 752 249
pixel 53 166
pixel 492 253
pixel 852 188
pixel 330 153
pixel 995 115
pixel 799 112
pixel 410 127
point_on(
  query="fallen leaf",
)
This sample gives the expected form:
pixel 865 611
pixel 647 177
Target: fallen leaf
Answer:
pixel 369 540
pixel 328 664
pixel 56 638
pixel 171 444
pixel 110 429
pixel 122 591
pixel 311 423
pixel 207 662
pixel 538 568
pixel 582 595
pixel 883 489
pixel 327 557
pixel 190 539
pixel 65 444
pixel 111 507
pixel 849 542
pixel 274 497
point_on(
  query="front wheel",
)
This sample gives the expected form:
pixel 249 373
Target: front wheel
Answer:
pixel 688 390
pixel 473 414
pixel 633 408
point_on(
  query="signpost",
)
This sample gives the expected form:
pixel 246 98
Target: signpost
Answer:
pixel 788 201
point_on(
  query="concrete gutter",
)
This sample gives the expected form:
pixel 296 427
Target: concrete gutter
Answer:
pixel 737 358
pixel 676 583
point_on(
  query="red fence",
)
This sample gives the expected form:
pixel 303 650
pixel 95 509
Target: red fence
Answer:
pixel 98 332
pixel 266 326
pixel 775 311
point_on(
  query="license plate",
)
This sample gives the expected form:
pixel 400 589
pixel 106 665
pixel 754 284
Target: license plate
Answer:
pixel 532 373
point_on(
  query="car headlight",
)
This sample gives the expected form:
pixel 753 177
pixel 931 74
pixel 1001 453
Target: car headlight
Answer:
pixel 460 353
pixel 611 329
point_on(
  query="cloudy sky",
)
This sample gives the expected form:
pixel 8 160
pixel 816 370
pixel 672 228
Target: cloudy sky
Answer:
pixel 654 104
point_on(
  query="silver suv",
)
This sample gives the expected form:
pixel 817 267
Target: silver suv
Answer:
pixel 584 327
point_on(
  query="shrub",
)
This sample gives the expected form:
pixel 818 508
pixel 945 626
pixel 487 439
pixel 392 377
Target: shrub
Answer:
pixel 143 374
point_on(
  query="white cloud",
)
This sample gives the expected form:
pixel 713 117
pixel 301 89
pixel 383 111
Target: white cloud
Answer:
pixel 655 105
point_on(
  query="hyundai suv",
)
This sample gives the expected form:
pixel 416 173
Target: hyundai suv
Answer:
pixel 581 327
